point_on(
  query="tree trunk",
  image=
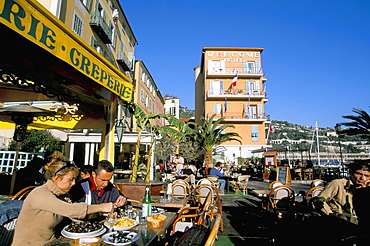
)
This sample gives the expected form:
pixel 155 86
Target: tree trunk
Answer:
pixel 208 159
pixel 133 177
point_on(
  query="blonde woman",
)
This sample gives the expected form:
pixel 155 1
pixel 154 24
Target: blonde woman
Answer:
pixel 46 206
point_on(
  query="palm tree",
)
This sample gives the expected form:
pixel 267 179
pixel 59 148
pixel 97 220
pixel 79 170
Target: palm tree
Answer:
pixel 211 134
pixel 360 124
pixel 143 122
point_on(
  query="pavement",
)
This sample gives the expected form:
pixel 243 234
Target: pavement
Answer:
pixel 246 223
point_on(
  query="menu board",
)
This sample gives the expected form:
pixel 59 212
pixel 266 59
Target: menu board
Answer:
pixel 283 174
pixel 269 160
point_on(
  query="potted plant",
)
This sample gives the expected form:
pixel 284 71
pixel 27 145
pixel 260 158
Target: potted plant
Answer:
pixel 266 174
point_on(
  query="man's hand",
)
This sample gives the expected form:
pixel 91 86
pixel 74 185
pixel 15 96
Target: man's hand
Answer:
pixel 121 200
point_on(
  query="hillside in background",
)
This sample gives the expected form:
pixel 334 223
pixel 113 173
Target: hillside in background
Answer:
pixel 302 137
pixel 186 113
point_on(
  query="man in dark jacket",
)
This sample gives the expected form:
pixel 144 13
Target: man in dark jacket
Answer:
pixel 97 188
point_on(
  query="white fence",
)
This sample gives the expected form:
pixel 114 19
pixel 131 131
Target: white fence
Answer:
pixel 7 160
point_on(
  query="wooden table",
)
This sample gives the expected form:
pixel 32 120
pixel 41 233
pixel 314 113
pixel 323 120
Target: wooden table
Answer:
pixel 122 174
pixel 148 235
pixel 173 202
pixel 261 193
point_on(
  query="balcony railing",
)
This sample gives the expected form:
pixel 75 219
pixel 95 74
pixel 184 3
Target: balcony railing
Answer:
pixel 237 92
pixel 236 70
pixel 124 60
pixel 240 115
pixel 98 24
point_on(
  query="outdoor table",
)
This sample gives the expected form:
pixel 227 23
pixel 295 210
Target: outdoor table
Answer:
pixel 261 193
pixel 148 235
pixel 122 174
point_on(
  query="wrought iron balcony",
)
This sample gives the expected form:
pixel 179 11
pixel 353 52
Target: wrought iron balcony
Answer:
pixel 236 70
pixel 124 61
pixel 98 24
pixel 238 92
pixel 241 116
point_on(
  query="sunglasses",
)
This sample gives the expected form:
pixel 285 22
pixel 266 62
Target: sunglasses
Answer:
pixel 362 174
pixel 66 165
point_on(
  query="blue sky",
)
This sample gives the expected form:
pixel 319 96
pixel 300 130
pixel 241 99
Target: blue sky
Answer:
pixel 316 57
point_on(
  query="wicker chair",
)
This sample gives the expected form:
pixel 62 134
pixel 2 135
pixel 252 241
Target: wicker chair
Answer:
pixel 23 193
pixel 241 184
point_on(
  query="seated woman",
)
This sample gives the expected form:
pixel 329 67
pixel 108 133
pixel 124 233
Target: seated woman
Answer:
pixel 48 204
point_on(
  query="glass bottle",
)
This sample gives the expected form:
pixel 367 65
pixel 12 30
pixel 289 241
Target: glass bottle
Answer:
pixel 146 203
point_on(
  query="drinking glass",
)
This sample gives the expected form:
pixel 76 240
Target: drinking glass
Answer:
pixel 111 220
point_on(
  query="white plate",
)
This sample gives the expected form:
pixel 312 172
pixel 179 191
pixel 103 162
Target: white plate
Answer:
pixel 121 228
pixel 106 236
pixel 81 235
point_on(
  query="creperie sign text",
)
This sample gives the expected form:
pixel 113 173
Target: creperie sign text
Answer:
pixel 33 25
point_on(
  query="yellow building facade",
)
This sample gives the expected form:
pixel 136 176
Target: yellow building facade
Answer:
pixel 230 83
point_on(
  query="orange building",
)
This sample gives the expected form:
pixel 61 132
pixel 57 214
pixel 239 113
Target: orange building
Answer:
pixel 230 83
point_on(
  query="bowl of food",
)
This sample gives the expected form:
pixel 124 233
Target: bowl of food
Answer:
pixel 156 220
pixel 83 229
pixel 123 224
pixel 120 238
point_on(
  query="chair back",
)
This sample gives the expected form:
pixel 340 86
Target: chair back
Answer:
pixel 212 178
pixel 181 181
pixel 314 191
pixel 180 189
pixel 317 182
pixel 281 197
pixel 9 211
pixel 202 191
pixel 243 178
pixel 23 193
pixel 276 184
pixel 204 181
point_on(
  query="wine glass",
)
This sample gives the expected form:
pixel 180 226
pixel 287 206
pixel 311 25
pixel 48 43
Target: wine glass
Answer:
pixel 111 220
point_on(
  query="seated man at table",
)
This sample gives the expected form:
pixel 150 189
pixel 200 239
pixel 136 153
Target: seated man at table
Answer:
pixel 216 171
pixel 335 203
pixel 187 170
pixel 97 188
pixel 337 197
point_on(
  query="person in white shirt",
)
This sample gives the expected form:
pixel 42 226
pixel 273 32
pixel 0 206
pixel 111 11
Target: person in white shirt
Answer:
pixel 179 163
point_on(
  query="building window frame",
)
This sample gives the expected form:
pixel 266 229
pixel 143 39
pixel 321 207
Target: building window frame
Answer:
pixel 254 133
pixel 77 25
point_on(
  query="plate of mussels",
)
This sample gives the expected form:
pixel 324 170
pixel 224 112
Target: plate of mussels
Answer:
pixel 83 229
pixel 121 238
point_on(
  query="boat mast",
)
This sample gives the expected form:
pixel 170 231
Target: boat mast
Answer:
pixel 318 144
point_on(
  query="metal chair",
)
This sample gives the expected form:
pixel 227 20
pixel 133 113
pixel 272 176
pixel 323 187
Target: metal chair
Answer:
pixel 9 211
